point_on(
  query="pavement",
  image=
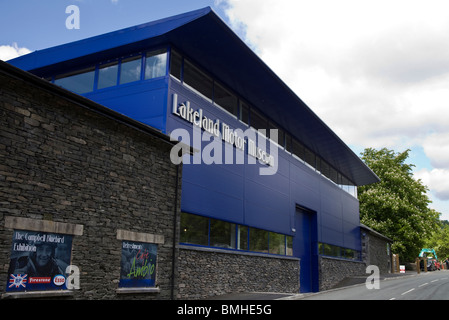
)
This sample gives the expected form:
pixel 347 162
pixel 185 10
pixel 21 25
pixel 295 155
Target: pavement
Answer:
pixel 350 281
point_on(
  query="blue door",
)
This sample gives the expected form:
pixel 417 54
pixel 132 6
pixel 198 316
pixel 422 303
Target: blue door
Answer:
pixel 305 247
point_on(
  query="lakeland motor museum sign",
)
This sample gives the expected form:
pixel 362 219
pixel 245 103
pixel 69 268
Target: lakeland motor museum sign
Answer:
pixel 219 130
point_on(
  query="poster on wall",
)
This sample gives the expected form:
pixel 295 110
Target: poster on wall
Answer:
pixel 38 261
pixel 138 264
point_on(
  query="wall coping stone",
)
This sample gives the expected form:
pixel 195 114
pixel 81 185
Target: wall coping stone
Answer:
pixel 236 252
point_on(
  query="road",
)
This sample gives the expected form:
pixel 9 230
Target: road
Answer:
pixel 425 286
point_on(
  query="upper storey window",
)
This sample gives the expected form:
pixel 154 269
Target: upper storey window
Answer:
pixel 120 71
pixel 130 69
pixel 107 75
pixel 155 64
pixel 80 81
pixel 197 80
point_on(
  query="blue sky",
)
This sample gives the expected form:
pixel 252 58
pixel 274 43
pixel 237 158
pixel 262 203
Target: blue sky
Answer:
pixel 375 71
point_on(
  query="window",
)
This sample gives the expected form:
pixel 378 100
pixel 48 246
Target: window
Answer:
pixel 244 113
pixel 198 80
pixel 288 142
pixel 155 64
pixel 280 134
pixel 257 121
pixel 298 149
pixel 258 240
pixel 222 234
pixel 339 252
pixel 107 75
pixel 194 229
pixel 130 69
pixel 310 158
pixel 277 243
pixel 175 64
pixel 197 230
pixel 242 238
pixel 225 99
pixel 289 243
pixel 79 82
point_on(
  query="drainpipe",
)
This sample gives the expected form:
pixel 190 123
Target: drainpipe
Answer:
pixel 175 214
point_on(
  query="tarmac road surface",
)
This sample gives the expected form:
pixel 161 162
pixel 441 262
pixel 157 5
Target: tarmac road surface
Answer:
pixel 424 286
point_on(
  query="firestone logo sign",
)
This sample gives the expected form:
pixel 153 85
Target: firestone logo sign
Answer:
pixel 214 131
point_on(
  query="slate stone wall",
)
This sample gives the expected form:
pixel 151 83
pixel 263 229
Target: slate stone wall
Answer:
pixel 205 272
pixel 63 163
pixel 334 270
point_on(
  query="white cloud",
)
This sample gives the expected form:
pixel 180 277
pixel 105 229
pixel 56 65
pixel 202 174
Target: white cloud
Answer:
pixel 437 180
pixel 8 52
pixel 375 71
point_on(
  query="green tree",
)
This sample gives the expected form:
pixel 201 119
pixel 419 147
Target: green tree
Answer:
pixel 439 241
pixel 398 205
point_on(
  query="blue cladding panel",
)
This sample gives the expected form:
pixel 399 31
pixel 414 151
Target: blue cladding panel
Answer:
pixel 239 194
pixel 144 101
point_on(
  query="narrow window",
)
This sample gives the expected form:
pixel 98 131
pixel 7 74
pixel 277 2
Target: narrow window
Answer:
pixel 225 99
pixel 277 243
pixel 197 80
pixel 130 69
pixel 155 64
pixel 194 229
pixel 242 238
pixel 107 75
pixel 81 81
pixel 258 240
pixel 175 64
pixel 244 112
pixel 222 234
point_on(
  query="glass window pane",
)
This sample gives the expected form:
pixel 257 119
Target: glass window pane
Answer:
pixel 288 142
pixel 194 229
pixel 258 240
pixel 175 64
pixel 107 75
pixel 222 234
pixel 289 250
pixel 130 69
pixel 197 80
pixel 298 149
pixel 244 113
pixel 280 134
pixel 242 238
pixel 310 157
pixel 277 243
pixel 156 64
pixel 78 82
pixel 225 99
pixel 257 121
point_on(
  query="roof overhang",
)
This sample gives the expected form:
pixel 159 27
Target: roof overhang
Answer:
pixel 203 37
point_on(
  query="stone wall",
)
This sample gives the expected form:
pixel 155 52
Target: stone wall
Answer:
pixel 64 162
pixel 376 249
pixel 334 270
pixel 205 272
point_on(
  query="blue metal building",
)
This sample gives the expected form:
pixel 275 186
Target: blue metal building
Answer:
pixel 189 75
